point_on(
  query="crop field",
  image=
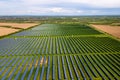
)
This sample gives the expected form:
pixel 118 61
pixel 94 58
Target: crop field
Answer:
pixel 59 52
pixel 113 30
pixel 5 31
pixel 18 25
pixel 9 28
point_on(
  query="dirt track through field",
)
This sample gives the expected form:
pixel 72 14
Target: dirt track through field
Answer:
pixel 113 30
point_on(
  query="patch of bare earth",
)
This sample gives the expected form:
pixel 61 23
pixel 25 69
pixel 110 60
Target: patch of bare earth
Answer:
pixel 113 30
pixel 6 31
pixel 42 61
pixel 19 25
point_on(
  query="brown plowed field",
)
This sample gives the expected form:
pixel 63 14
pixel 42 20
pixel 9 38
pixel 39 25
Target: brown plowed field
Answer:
pixel 13 27
pixel 19 25
pixel 113 30
pixel 6 31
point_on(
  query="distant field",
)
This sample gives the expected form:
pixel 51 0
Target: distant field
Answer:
pixel 6 31
pixel 113 30
pixel 59 52
pixel 19 25
pixel 8 28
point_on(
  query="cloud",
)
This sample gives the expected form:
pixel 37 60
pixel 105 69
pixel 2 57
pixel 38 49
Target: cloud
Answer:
pixel 62 10
pixel 59 7
pixel 99 3
pixel 57 10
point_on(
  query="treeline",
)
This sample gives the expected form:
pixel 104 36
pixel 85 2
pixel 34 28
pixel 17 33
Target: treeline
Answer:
pixel 62 19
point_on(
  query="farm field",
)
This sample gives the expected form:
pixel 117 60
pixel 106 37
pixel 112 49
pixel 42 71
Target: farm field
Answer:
pixel 19 25
pixel 59 52
pixel 8 28
pixel 6 31
pixel 113 30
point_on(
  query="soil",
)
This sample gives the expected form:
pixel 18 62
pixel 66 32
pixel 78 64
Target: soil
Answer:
pixel 6 31
pixel 19 25
pixel 42 61
pixel 113 30
pixel 6 28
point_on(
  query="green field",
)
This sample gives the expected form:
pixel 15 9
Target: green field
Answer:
pixel 59 52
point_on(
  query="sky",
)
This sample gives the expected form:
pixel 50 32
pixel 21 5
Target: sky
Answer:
pixel 60 7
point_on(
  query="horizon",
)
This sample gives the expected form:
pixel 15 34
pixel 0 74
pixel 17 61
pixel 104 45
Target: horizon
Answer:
pixel 62 15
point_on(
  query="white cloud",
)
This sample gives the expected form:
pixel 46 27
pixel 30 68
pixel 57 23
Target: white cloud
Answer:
pixel 100 3
pixel 65 11
pixel 56 6
pixel 57 10
pixel 94 3
pixel 39 2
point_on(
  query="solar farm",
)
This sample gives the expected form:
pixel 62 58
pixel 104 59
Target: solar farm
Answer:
pixel 59 52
